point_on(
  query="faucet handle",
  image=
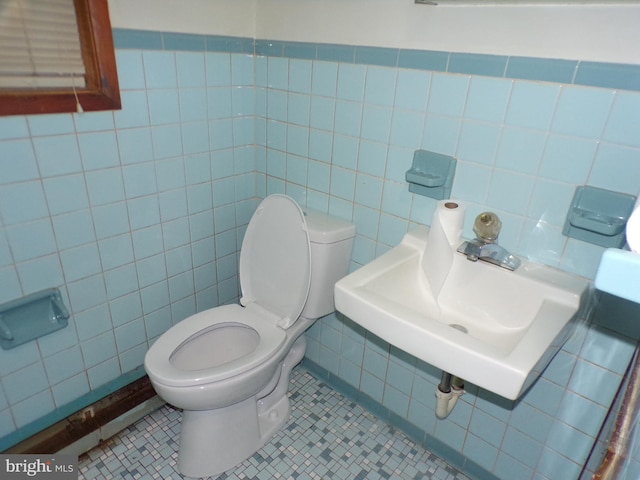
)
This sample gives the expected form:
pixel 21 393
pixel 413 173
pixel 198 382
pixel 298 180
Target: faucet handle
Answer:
pixel 487 227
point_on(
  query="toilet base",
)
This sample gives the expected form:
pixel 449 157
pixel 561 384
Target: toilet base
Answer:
pixel 213 441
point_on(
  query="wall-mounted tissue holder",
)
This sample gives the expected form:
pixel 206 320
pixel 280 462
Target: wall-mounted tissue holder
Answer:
pixel 431 174
pixel 30 317
pixel 598 216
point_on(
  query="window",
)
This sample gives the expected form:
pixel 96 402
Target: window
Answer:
pixel 94 84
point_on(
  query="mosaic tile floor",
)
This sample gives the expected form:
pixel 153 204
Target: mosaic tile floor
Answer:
pixel 327 437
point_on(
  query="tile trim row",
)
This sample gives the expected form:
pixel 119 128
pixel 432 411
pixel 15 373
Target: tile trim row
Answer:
pixel 573 72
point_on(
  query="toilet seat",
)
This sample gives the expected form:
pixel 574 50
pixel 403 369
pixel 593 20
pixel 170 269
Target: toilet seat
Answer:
pixel 159 358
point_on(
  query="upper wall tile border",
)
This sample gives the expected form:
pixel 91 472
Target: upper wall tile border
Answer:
pixel 594 74
pixel 145 40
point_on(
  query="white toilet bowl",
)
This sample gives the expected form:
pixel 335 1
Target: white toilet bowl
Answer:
pixel 228 367
pixel 238 343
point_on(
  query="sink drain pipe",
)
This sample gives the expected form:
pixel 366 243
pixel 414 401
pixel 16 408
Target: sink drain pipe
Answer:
pixel 450 389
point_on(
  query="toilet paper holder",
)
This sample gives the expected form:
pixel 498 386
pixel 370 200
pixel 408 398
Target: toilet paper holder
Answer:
pixel 598 216
pixel 431 174
pixel 30 317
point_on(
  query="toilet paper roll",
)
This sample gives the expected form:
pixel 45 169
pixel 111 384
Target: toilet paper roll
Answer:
pixel 633 228
pixel 444 237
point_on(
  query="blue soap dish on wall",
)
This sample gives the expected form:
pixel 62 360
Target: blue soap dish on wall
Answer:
pixel 599 216
pixel 30 317
pixel 431 174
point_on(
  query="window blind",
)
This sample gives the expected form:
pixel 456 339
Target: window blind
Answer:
pixel 40 45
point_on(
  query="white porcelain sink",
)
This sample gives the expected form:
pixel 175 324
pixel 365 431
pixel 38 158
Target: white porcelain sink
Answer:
pixel 495 328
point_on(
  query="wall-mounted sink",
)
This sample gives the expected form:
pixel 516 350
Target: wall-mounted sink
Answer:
pixel 495 328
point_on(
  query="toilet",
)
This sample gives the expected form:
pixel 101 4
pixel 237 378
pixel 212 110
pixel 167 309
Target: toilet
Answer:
pixel 228 367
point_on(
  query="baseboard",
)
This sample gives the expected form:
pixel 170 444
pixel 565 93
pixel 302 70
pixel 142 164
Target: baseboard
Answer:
pixel 102 419
pixel 115 426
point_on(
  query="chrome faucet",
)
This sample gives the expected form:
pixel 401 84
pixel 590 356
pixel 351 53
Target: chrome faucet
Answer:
pixel 484 247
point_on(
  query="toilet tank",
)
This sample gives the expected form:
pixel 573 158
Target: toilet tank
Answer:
pixel 331 242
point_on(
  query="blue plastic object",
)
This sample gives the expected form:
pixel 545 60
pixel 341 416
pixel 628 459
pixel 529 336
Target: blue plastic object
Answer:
pixel 598 216
pixel 30 317
pixel 619 274
pixel 431 174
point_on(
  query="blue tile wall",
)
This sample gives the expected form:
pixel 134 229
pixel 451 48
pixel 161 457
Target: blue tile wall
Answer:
pixel 138 215
pixel 522 145
pixel 523 141
pixel 132 214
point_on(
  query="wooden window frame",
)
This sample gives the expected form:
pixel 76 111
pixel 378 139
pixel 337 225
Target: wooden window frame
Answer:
pixel 101 92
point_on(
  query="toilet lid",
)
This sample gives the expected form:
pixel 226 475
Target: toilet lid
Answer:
pixel 275 260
